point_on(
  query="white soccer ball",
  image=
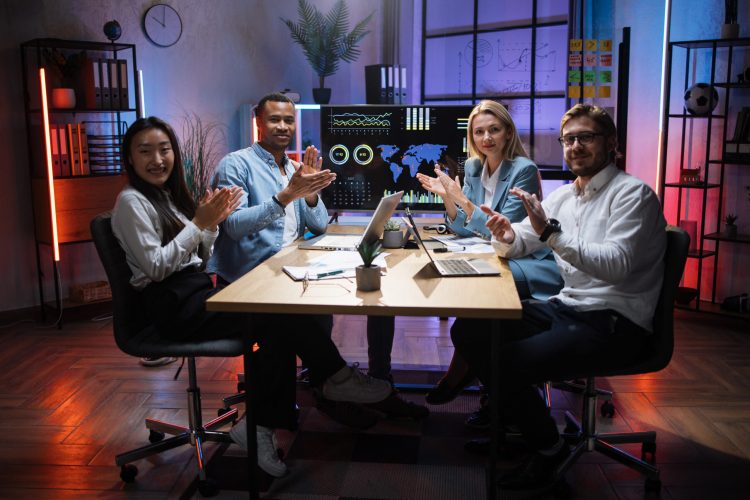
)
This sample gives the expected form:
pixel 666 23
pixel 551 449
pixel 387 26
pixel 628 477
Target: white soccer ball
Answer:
pixel 701 99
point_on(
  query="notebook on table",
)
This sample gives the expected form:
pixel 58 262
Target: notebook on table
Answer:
pixel 452 267
pixel 373 231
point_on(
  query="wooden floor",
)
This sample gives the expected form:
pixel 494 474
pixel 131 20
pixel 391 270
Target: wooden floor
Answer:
pixel 71 400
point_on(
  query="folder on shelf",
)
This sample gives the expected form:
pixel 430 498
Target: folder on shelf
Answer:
pixel 83 148
pixel 104 79
pixel 64 158
pixel 55 150
pixel 114 84
pixel 73 153
pixel 122 65
pixel 89 84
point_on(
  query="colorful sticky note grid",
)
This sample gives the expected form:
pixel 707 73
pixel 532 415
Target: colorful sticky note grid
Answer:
pixel 605 59
pixel 575 60
pixel 574 92
pixel 589 76
pixel 589 59
pixel 589 91
pixel 590 45
pixel 604 91
pixel 576 45
pixel 605 45
pixel 574 75
pixel 605 76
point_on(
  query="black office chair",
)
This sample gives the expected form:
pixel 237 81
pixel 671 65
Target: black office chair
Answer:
pixel 135 336
pixel 655 356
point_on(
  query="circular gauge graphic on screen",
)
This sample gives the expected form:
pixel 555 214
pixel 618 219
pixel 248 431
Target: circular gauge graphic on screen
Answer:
pixel 363 154
pixel 338 154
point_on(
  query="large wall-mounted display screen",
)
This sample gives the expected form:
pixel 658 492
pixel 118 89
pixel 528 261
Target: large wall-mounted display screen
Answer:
pixel 378 150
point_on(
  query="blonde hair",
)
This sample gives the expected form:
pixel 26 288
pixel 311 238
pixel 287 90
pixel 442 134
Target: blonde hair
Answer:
pixel 513 146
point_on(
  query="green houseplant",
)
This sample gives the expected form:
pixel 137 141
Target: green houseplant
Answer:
pixel 199 146
pixel 368 274
pixel 325 41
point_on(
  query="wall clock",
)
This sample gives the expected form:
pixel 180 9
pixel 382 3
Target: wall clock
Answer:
pixel 162 25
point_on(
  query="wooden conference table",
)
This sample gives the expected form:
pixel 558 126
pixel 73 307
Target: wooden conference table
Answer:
pixel 411 287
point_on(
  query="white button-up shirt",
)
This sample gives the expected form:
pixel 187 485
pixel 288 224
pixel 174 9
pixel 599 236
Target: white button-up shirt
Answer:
pixel 611 248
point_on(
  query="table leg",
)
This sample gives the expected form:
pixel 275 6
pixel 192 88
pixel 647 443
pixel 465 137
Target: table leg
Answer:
pixel 494 408
pixel 251 381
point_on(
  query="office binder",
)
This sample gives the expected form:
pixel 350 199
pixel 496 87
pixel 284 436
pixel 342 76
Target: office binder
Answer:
pixel 104 79
pixel 73 151
pixel 376 84
pixel 63 143
pixel 114 84
pixel 83 148
pixel 122 65
pixel 54 139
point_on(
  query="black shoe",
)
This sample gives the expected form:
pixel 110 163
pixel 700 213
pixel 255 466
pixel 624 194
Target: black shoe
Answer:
pixel 395 407
pixel 480 419
pixel 443 392
pixel 505 450
pixel 346 413
pixel 536 472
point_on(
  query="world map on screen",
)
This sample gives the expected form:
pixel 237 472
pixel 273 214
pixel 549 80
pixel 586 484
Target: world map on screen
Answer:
pixel 414 156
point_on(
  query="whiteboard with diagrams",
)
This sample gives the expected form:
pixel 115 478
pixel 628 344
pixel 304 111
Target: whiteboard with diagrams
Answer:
pixel 503 60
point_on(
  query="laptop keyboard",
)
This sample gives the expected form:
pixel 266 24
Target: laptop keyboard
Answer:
pixel 457 266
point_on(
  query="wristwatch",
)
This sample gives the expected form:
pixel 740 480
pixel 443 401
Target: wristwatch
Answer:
pixel 553 226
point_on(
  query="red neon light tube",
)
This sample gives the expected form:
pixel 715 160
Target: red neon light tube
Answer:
pixel 50 175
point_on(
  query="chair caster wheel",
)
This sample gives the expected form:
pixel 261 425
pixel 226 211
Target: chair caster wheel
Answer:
pixel 608 409
pixel 648 452
pixel 128 473
pixel 155 436
pixel 653 485
pixel 208 488
pixel 224 411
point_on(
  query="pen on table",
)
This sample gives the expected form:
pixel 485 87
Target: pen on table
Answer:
pixel 449 249
pixel 329 273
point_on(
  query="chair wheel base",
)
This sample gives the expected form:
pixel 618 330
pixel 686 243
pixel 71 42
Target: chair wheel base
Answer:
pixel 128 473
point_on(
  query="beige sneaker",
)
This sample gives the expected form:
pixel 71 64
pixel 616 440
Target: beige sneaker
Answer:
pixel 268 456
pixel 350 384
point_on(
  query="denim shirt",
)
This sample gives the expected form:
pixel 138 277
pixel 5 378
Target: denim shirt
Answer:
pixel 255 230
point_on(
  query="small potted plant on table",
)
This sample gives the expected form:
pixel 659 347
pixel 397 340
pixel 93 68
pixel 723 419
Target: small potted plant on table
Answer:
pixel 392 235
pixel 731 228
pixel 368 274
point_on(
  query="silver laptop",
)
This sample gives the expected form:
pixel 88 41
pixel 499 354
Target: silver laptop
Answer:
pixel 373 231
pixel 452 267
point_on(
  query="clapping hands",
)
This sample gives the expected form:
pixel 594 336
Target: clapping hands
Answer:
pixel 214 207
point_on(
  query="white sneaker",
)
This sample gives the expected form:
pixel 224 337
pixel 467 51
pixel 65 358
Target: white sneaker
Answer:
pixel 350 384
pixel 268 457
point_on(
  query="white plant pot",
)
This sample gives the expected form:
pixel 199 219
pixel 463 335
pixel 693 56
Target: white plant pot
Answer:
pixel 393 239
pixel 368 278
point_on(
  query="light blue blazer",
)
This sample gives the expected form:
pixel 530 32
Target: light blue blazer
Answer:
pixel 536 275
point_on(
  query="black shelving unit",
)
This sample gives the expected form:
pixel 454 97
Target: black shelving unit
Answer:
pixel 76 195
pixel 710 236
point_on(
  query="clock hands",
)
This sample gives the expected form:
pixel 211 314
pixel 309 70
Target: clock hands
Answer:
pixel 158 21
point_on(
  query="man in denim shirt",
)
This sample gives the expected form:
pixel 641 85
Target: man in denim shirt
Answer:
pixel 280 202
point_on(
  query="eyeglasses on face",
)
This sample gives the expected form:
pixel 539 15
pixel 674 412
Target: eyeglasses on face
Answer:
pixel 584 139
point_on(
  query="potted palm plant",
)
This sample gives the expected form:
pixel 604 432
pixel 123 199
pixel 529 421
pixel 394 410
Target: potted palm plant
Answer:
pixel 368 274
pixel 325 40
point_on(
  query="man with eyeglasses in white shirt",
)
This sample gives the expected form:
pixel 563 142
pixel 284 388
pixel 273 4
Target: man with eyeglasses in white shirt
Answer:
pixel 608 235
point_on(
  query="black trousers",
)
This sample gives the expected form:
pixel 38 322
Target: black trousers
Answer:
pixel 177 307
pixel 551 342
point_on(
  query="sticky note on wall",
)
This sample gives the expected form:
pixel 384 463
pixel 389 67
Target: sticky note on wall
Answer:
pixel 576 45
pixel 589 76
pixel 574 75
pixel 604 91
pixel 574 92
pixel 589 91
pixel 605 45
pixel 589 59
pixel 605 76
pixel 590 45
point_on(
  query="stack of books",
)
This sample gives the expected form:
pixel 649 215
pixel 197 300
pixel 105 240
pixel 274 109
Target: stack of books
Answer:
pixel 738 148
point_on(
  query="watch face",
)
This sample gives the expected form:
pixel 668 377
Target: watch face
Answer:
pixel 162 25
